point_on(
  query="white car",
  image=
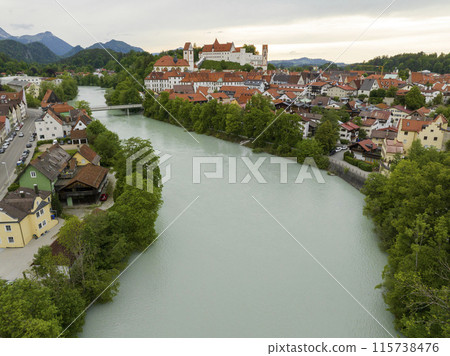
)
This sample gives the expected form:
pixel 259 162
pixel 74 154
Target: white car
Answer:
pixel 21 134
pixel 344 148
pixel 338 149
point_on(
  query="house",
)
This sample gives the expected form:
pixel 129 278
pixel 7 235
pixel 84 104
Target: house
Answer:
pixel 322 101
pixel 378 136
pixel 49 126
pixel 78 137
pixel 5 128
pixel 86 155
pixel 25 214
pixel 367 86
pixel 389 150
pixel 366 150
pixel 82 184
pixel 341 91
pixel 318 89
pixel 430 133
pixel 348 131
pixel 49 99
pixel 230 53
pixel 398 113
pixel 44 170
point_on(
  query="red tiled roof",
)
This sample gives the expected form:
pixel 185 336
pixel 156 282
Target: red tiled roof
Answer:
pixel 168 61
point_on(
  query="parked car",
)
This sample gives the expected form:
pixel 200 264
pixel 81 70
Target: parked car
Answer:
pixel 332 152
pixel 29 145
pixel 61 142
pixel 2 150
pixel 19 162
pixel 17 128
pixel 104 197
pixel 69 142
pixel 31 139
pixel 338 149
pixel 344 148
pixel 5 145
pixel 21 134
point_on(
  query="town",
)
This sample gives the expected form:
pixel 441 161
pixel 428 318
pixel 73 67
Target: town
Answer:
pixel 356 124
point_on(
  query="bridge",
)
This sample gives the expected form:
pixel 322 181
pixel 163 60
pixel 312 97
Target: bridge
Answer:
pixel 117 107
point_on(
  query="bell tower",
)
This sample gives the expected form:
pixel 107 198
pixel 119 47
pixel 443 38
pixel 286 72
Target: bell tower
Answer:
pixel 265 56
pixel 188 55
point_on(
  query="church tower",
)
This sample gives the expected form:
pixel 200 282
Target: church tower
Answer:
pixel 188 55
pixel 265 56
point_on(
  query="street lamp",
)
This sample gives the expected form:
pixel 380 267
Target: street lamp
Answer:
pixel 7 174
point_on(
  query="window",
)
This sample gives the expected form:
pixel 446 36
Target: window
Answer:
pixel 42 211
pixel 8 228
pixel 435 139
pixel 33 174
pixel 38 214
pixel 40 225
pixel 11 240
pixel 425 137
pixel 44 223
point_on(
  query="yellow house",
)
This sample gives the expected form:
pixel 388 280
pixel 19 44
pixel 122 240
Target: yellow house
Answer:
pixel 430 133
pixel 33 90
pixel 86 155
pixel 24 215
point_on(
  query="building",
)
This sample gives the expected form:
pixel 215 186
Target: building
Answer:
pixel 25 214
pixel 86 155
pixel 430 133
pixel 44 170
pixel 168 63
pixel 49 126
pixel 366 150
pixel 348 131
pixel 367 86
pixel 341 91
pixel 230 53
pixel 398 113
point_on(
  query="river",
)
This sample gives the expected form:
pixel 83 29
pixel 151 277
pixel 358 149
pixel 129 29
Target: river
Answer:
pixel 227 268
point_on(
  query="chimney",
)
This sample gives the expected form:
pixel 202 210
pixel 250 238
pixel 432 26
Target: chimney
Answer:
pixel 22 194
pixel 36 189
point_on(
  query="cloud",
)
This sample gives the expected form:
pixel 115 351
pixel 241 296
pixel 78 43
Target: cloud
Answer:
pixel 21 26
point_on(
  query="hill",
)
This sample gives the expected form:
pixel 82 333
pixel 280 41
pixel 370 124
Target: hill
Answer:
pixel 96 58
pixel 302 62
pixel 116 46
pixel 73 51
pixel 413 61
pixel 31 52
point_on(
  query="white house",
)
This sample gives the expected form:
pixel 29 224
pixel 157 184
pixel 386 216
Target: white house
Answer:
pixel 367 86
pixel 49 126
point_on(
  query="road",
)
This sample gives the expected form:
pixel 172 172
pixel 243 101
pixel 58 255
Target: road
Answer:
pixel 9 159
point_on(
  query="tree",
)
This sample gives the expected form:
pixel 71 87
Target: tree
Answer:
pixel 250 49
pixel 414 99
pixel 26 310
pixel 438 100
pixel 391 92
pixel 84 105
pixel 312 148
pixel 327 135
pixel 410 209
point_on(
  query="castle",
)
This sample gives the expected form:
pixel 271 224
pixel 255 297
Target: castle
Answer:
pixel 226 52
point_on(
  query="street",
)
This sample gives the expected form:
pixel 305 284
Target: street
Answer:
pixel 9 158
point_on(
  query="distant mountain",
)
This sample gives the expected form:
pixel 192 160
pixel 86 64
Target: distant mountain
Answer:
pixel 117 46
pixel 55 44
pixel 301 62
pixel 97 58
pixel 4 35
pixel 73 51
pixel 31 52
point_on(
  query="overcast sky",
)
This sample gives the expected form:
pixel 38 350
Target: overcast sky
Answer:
pixel 291 28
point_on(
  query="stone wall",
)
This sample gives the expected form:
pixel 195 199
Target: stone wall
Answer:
pixel 352 175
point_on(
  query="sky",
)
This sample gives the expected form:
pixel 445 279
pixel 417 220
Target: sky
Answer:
pixel 342 31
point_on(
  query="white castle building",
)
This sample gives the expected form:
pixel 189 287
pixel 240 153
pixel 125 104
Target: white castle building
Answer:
pixel 229 52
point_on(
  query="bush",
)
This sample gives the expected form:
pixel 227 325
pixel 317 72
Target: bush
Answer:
pixel 43 142
pixel 13 187
pixel 351 160
pixel 365 166
pixel 344 142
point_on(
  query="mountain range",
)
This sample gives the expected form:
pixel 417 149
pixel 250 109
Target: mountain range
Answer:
pixel 56 46
pixel 301 62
